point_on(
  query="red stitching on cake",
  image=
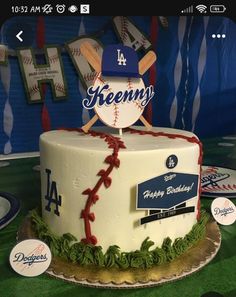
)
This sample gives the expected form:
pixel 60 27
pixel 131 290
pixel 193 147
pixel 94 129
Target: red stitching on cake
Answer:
pixel 192 139
pixel 115 143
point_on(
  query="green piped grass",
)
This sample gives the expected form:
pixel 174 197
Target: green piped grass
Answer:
pixel 67 247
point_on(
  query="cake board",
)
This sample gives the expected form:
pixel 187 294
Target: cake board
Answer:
pixel 99 277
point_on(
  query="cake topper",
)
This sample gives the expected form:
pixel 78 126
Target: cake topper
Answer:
pixel 118 95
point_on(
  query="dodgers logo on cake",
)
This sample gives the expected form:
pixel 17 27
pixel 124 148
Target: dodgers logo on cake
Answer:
pixel 118 95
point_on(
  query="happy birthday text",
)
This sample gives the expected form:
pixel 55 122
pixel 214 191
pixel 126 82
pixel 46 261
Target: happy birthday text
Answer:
pixel 169 190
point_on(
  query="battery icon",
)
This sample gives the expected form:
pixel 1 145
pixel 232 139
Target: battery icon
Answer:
pixel 217 8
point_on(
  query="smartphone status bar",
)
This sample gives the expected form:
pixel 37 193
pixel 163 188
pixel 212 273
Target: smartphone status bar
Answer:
pixel 102 8
pixel 118 8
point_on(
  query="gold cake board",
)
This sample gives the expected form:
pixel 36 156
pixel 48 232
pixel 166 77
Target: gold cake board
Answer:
pixel 191 261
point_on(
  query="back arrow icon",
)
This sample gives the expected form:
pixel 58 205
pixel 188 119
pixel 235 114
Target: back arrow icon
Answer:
pixel 18 36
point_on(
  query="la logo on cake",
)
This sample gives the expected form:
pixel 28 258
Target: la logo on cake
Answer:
pixel 118 95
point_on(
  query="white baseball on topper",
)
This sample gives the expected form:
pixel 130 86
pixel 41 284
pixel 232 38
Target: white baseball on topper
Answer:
pixel 118 95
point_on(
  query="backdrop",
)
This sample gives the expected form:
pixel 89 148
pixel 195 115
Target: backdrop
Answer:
pixel 195 86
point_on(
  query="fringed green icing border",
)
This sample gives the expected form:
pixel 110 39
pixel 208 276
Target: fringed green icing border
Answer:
pixel 87 254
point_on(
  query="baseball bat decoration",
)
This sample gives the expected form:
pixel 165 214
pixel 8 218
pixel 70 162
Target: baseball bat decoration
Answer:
pixel 118 95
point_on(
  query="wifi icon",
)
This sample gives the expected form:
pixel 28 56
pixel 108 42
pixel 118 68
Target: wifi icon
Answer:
pixel 201 8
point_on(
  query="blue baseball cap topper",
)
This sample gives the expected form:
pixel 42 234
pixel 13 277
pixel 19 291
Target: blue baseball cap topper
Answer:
pixel 120 60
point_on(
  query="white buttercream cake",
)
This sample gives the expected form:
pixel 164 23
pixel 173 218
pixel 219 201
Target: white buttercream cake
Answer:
pixel 91 184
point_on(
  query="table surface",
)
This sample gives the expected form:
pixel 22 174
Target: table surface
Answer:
pixel 22 181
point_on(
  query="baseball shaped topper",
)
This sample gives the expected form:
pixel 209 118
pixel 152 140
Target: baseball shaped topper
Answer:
pixel 118 95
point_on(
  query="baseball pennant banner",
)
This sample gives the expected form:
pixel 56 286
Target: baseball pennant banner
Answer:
pixel 130 35
pixel 35 74
pixel 86 73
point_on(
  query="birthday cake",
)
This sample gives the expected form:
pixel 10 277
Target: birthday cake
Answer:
pixel 115 197
pixel 101 190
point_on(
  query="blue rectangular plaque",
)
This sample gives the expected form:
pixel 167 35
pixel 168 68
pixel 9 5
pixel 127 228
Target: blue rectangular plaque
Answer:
pixel 167 190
